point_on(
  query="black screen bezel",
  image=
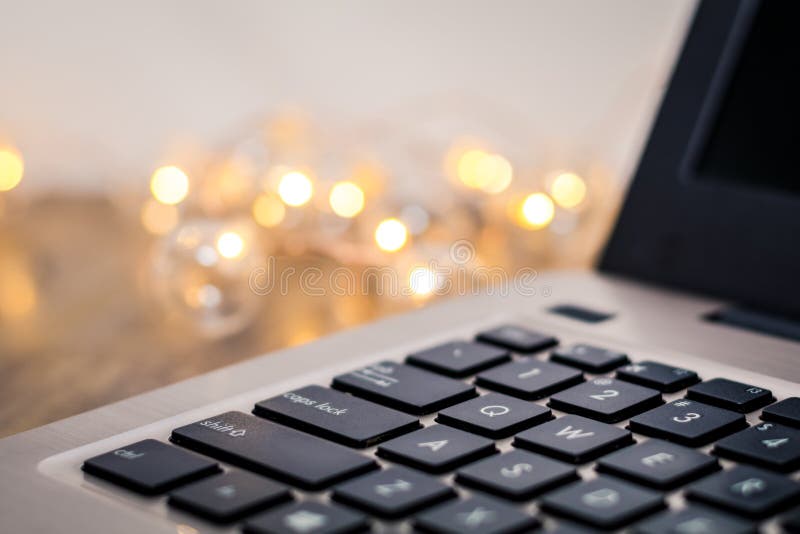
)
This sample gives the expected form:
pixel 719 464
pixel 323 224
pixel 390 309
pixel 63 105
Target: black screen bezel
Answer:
pixel 735 242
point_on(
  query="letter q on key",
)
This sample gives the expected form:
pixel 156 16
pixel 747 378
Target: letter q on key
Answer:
pixel 493 411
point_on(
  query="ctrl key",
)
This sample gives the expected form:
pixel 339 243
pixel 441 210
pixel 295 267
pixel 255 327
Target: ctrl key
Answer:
pixel 149 466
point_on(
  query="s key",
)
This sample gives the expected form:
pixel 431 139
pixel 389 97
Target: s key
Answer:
pixel 687 422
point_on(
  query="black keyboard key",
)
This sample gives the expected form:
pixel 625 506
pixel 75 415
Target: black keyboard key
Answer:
pixel 336 416
pixel 603 502
pixel 589 358
pixel 393 493
pixel 517 475
pixel 404 387
pixel 606 399
pixel 573 439
pixel 229 496
pixel 459 358
pixel 529 379
pixel 664 378
pixel 688 422
pixel 769 445
pixel 476 514
pixel 730 395
pixel 786 412
pixel 517 339
pixel 149 466
pixel 695 520
pixel 658 464
pixel 436 449
pixel 791 521
pixel 494 415
pixel 272 449
pixel 747 491
pixel 307 517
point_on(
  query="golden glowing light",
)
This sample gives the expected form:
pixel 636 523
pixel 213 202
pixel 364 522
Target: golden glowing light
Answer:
pixel 295 188
pixel 391 235
pixel 11 169
pixel 17 289
pixel 268 210
pixel 346 199
pixel 491 173
pixel 423 281
pixel 568 190
pixel 230 245
pixel 169 185
pixel 158 218
pixel 537 210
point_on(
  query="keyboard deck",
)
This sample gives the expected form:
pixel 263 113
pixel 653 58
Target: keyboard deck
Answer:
pixel 509 431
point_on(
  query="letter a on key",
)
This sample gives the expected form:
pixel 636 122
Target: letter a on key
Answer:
pixel 569 433
pixel 434 445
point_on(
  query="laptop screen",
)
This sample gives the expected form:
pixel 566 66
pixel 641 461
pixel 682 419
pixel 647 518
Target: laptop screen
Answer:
pixel 752 127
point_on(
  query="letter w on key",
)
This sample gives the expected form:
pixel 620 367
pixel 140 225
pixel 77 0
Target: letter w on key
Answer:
pixel 577 433
pixel 387 490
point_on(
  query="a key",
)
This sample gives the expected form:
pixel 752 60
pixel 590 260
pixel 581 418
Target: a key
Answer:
pixel 664 378
pixel 404 387
pixel 688 422
pixel 695 520
pixel 393 493
pixel 769 445
pixel 573 439
pixel 436 449
pixel 604 502
pixel 308 517
pixel 786 412
pixel 229 496
pixel 529 379
pixel 336 416
pixel 517 339
pixel 272 449
pixel 606 399
pixel 730 395
pixel 149 466
pixel 494 415
pixel 791 521
pixel 476 514
pixel 459 358
pixel 517 475
pixel 589 358
pixel 658 464
pixel 746 490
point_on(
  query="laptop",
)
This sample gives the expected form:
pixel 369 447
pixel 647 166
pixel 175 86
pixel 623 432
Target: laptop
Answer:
pixel 656 394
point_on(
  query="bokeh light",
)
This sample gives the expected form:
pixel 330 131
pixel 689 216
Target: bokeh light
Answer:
pixel 169 185
pixel 423 281
pixel 391 235
pixel 230 245
pixel 268 210
pixel 491 173
pixel 157 218
pixel 295 188
pixel 537 210
pixel 568 190
pixel 11 169
pixel 346 199
pixel 18 295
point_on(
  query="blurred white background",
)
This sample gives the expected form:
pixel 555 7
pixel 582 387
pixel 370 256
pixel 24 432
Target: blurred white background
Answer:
pixel 93 92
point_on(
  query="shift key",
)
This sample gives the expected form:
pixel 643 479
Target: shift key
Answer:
pixel 272 449
pixel 336 416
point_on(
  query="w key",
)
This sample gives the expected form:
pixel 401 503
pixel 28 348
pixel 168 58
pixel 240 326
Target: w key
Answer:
pixel 336 416
pixel 606 399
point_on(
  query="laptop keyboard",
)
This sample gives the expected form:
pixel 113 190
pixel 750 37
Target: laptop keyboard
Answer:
pixel 336 459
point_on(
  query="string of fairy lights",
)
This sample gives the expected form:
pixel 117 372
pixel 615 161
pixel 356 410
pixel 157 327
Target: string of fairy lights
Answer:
pixel 214 218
